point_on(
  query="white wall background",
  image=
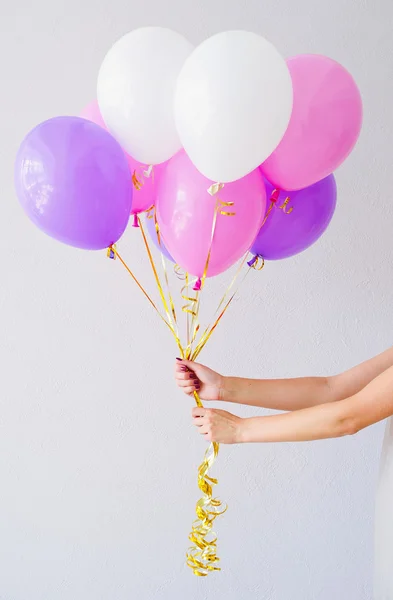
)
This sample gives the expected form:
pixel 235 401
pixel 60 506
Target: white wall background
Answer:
pixel 97 453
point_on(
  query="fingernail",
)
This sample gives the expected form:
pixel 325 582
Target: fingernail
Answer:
pixel 178 358
pixel 183 368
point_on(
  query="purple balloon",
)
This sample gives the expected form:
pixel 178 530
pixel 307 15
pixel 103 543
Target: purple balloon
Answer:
pixel 152 232
pixel 287 232
pixel 73 181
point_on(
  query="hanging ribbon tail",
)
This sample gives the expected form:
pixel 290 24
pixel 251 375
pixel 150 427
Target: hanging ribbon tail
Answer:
pixel 202 556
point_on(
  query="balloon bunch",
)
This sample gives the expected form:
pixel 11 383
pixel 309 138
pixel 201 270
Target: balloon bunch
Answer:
pixel 217 151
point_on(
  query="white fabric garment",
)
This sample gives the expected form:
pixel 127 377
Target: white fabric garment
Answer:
pixel 383 581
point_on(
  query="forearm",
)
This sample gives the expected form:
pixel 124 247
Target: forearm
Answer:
pixel 315 423
pixel 278 394
pixel 296 394
pixel 372 404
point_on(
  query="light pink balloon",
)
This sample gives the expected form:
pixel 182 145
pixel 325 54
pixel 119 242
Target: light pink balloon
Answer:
pixel 324 127
pixel 143 198
pixel 185 213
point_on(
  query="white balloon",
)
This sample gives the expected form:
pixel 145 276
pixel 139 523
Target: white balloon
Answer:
pixel 233 102
pixel 135 92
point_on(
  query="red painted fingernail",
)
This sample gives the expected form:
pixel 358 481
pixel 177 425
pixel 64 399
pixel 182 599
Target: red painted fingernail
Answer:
pixel 178 358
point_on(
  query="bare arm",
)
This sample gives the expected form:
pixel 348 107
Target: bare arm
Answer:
pixel 348 416
pixel 368 406
pixel 280 394
pixel 294 394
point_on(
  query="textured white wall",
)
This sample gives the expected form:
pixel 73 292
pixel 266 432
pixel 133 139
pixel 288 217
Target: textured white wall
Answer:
pixel 97 454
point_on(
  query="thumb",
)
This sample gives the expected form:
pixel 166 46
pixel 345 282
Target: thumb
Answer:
pixel 189 364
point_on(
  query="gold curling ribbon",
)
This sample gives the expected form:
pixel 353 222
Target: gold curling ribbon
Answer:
pixel 258 264
pixel 202 556
pixel 284 205
pixel 139 176
pixel 152 215
pixel 213 190
pixel 273 201
pixel 170 312
pixel 179 272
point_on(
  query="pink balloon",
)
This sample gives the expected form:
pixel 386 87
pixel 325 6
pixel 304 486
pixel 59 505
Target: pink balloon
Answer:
pixel 324 127
pixel 185 213
pixel 144 197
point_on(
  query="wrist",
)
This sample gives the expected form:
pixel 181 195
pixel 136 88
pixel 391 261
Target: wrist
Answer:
pixel 241 433
pixel 228 389
pixel 250 430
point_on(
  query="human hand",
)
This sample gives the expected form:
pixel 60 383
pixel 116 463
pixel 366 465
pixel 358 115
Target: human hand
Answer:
pixel 192 377
pixel 218 425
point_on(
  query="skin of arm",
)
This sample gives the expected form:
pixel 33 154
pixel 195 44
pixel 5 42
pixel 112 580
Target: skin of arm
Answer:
pixel 280 394
pixel 371 404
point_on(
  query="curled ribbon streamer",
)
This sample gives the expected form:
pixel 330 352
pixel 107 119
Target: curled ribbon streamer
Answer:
pixel 273 201
pixel 284 205
pixel 202 556
pixel 257 262
pixel 179 272
pixel 139 176
pixel 189 308
pixel 213 190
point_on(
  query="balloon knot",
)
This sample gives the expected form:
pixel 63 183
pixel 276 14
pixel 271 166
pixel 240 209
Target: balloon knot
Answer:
pixel 198 285
pixel 275 195
pixel 135 223
pixel 252 262
pixel 111 253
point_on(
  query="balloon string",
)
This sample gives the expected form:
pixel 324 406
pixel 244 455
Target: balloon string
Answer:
pixel 202 556
pixel 221 208
pixel 209 330
pixel 170 312
pixel 151 214
pixel 113 250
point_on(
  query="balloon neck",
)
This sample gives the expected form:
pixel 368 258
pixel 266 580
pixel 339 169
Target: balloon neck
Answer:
pixel 135 223
pixel 198 285
pixel 111 253
pixel 275 195
pixel 252 262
